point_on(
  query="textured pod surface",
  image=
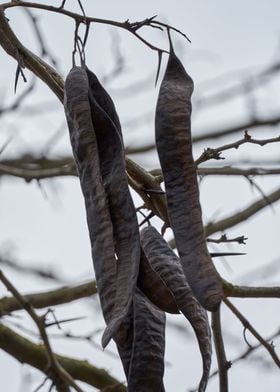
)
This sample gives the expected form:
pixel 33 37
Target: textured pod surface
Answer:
pixel 153 286
pixel 174 145
pixel 147 357
pixel 141 345
pixel 103 99
pixel 167 265
pixel 122 210
pixel 85 151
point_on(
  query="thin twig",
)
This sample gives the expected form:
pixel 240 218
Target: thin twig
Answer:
pixel 250 328
pixel 46 299
pixel 223 239
pixel 247 352
pixel 215 153
pixel 131 27
pixel 25 351
pixel 57 373
pixel 223 364
pixel 248 124
pixel 242 215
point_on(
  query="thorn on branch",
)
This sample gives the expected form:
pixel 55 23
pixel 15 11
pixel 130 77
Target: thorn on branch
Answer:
pixel 240 239
pixel 245 338
pixel 19 70
pixel 246 135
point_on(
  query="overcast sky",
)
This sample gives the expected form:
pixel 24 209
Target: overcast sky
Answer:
pixel 46 226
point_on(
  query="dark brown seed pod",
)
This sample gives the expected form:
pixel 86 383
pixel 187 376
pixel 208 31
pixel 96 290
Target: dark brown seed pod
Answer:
pixel 147 358
pixel 167 265
pixel 174 146
pixel 85 151
pixel 151 284
pixel 141 343
pixel 103 99
pixel 122 210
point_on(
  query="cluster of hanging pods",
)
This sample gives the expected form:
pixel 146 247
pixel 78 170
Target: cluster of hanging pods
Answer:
pixel 138 275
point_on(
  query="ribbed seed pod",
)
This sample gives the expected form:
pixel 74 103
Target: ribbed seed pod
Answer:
pixel 147 359
pixel 167 265
pixel 174 146
pixel 122 210
pixel 85 151
pixel 103 99
pixel 154 288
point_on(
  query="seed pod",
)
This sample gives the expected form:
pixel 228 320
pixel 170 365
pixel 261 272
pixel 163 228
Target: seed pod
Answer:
pixel 141 342
pixel 147 359
pixel 85 151
pixel 124 340
pixel 167 265
pixel 103 99
pixel 174 145
pixel 154 288
pixel 122 210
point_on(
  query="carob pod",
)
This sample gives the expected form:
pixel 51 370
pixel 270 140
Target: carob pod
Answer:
pixel 168 267
pixel 103 99
pixel 154 288
pixel 85 151
pixel 147 358
pixel 141 345
pixel 140 338
pixel 174 146
pixel 122 210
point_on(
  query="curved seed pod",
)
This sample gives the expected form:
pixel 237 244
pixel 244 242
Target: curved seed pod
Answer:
pixel 151 284
pixel 124 340
pixel 122 210
pixel 140 342
pixel 167 265
pixel 103 99
pixel 147 359
pixel 174 145
pixel 85 151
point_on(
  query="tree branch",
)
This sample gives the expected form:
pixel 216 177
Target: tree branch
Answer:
pixel 258 123
pixel 223 364
pixel 246 353
pixel 231 290
pixel 50 298
pixel 242 215
pixel 131 27
pixel 55 371
pixel 35 355
pixel 235 171
pixel 214 153
pixel 248 326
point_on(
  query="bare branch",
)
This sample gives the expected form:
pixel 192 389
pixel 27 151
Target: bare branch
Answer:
pixel 242 215
pixel 214 153
pixel 223 239
pixel 19 99
pixel 247 352
pixel 8 261
pixel 57 373
pixel 35 355
pixel 223 364
pixel 238 217
pixel 250 328
pixel 46 299
pixel 231 290
pixel 235 171
pixel 255 124
pixel 131 27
